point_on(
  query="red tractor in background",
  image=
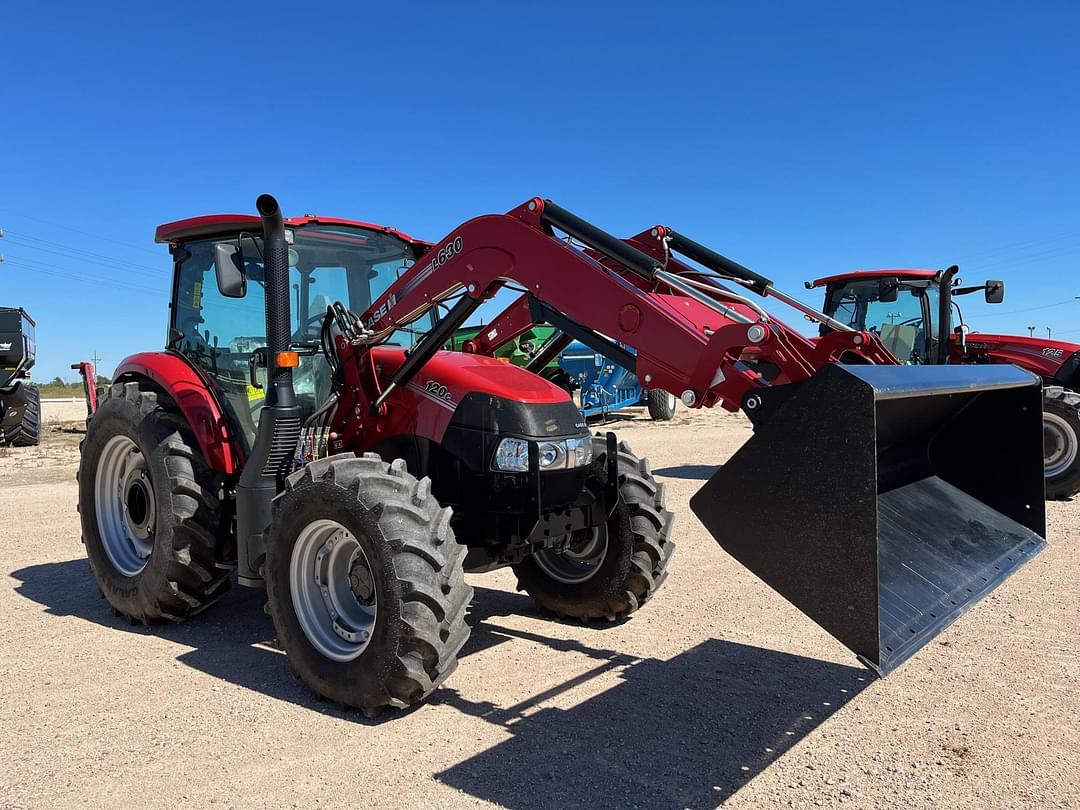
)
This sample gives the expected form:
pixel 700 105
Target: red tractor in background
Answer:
pixel 305 428
pixel 901 307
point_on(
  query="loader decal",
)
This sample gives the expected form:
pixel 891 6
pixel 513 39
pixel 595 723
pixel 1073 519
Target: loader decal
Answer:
pixel 442 257
pixel 382 311
pixel 427 392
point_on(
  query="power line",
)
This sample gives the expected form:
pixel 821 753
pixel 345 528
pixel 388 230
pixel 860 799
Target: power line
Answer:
pixel 53 270
pixel 1053 253
pixel 95 236
pixel 1027 309
pixel 72 252
pixel 1015 246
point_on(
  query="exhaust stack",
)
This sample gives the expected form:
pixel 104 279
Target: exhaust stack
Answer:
pixel 279 420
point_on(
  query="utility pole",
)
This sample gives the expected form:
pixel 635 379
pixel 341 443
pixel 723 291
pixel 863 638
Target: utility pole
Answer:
pixel 1031 331
pixel 1048 333
pixel 94 357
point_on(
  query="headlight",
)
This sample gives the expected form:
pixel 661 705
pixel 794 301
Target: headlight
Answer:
pixel 512 454
pixel 579 451
pixel 552 455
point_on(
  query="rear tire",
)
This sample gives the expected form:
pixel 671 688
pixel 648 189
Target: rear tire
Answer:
pixel 149 509
pixel 387 632
pixel 629 568
pixel 662 405
pixel 1061 442
pixel 28 432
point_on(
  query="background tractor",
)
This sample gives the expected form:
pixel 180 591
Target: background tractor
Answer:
pixel 20 402
pixel 305 427
pixel 901 306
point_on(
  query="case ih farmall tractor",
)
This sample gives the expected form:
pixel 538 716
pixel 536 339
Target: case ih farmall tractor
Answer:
pixel 20 402
pixel 305 428
pixel 901 306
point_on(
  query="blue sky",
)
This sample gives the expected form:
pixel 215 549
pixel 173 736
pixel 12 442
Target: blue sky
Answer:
pixel 801 139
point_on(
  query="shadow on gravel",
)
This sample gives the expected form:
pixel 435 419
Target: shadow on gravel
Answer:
pixel 686 732
pixel 683 733
pixel 232 640
pixel 693 472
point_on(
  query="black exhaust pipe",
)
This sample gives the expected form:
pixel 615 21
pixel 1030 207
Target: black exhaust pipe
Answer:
pixel 945 314
pixel 279 421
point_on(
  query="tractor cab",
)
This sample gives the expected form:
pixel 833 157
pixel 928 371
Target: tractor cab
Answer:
pixel 911 311
pixel 218 316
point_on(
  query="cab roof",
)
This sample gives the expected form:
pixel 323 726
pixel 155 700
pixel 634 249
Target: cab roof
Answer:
pixel 854 275
pixel 214 224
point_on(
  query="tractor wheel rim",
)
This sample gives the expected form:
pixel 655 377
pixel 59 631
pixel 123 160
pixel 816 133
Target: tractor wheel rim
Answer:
pixel 671 402
pixel 578 562
pixel 334 592
pixel 125 505
pixel 1059 445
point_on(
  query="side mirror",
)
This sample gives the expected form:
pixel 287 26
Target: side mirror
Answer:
pixel 888 290
pixel 995 292
pixel 229 266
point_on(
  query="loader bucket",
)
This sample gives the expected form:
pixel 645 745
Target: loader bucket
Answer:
pixel 884 501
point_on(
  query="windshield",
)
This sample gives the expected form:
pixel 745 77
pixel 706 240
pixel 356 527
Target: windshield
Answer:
pixel 903 325
pixel 326 264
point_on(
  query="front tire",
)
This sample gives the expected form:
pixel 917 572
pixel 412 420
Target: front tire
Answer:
pixel 1061 442
pixel 365 582
pixel 661 404
pixel 615 569
pixel 149 509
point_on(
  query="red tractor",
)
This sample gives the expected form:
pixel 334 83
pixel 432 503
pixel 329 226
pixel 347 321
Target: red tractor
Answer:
pixel 901 306
pixel 304 428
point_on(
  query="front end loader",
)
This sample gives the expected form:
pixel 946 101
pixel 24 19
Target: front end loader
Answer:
pixel 306 428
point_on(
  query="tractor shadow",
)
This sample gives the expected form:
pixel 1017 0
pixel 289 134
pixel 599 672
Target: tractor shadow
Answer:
pixel 685 732
pixel 691 472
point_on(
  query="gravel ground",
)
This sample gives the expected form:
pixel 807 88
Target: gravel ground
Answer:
pixel 716 692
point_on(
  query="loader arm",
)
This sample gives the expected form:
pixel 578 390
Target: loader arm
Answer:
pixel 691 338
pixel 709 305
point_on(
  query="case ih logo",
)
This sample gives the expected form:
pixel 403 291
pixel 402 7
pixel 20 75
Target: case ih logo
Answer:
pixel 1055 353
pixel 381 312
pixel 5 346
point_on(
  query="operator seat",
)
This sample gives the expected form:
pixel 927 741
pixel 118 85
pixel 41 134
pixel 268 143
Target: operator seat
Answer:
pixel 900 340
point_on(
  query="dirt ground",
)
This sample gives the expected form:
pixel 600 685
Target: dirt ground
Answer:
pixel 716 692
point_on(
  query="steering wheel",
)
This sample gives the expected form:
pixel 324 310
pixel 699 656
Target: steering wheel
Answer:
pixel 911 321
pixel 303 331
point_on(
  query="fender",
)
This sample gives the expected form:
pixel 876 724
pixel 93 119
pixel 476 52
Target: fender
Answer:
pixel 172 373
pixel 1037 355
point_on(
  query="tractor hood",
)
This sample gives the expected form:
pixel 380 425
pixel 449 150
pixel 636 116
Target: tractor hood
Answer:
pixel 451 376
pixel 1050 359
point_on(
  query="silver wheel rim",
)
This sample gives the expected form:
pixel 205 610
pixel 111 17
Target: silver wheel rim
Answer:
pixel 1059 445
pixel 671 402
pixel 125 505
pixel 579 561
pixel 333 589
